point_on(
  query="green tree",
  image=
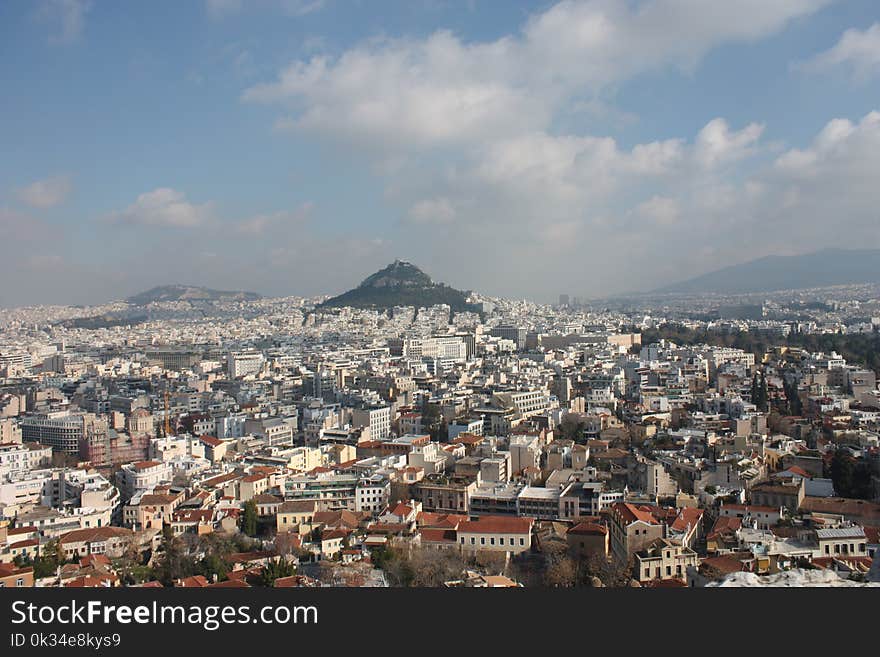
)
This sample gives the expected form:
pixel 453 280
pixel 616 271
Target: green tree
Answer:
pixel 275 569
pixel 51 556
pixel 249 518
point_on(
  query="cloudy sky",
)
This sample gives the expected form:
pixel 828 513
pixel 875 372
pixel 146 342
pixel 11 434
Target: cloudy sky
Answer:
pixel 517 148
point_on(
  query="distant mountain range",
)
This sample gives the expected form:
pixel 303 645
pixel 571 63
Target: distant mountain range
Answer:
pixel 189 293
pixel 820 269
pixel 400 284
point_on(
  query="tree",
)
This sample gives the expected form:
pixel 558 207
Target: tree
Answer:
pixel 275 569
pixel 851 477
pixel 249 518
pixel 173 561
pixel 612 572
pixel 52 556
pixel 433 568
pixel 560 570
pixel 286 543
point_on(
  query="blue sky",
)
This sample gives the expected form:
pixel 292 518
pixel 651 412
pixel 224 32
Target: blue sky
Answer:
pixel 516 148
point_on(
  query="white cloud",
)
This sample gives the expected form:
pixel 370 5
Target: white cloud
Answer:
pixel 164 207
pixel 46 193
pixel 432 211
pixel 661 210
pixel 259 224
pixel 716 144
pixel 857 49
pixel 219 9
pixel 476 134
pixel 406 94
pixel 68 17
pixel 412 93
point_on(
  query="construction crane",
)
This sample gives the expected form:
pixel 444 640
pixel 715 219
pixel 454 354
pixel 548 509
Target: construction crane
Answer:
pixel 167 415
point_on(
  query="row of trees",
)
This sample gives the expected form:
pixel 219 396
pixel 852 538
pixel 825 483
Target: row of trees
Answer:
pixel 175 559
pixel 553 566
pixel 861 348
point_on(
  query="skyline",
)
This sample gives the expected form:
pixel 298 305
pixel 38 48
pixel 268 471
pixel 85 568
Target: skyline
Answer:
pixel 291 148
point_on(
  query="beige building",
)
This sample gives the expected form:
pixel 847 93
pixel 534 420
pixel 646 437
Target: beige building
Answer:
pixel 496 534
pixel 587 540
pixel 292 516
pixel 632 528
pixel 664 559
pixel 112 541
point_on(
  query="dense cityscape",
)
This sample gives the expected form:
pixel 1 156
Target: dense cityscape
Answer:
pixel 221 439
pixel 561 297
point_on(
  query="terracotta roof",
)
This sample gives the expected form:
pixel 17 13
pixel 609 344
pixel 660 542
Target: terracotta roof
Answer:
pixel 588 529
pixel 631 513
pixel 841 505
pixel 193 515
pixel 157 499
pixel 431 535
pixel 143 465
pixel 8 569
pixel 687 517
pixel 196 581
pixel 92 581
pixel 439 520
pixel 297 506
pixel 724 564
pixel 497 525
pixel 266 498
pixel 725 524
pixel 94 560
pixel 94 534
pixel 230 584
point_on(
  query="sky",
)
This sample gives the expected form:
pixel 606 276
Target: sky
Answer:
pixel 521 149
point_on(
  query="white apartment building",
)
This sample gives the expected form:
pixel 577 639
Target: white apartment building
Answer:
pixel 372 494
pixel 142 476
pixel 377 418
pixel 24 457
pixel 244 364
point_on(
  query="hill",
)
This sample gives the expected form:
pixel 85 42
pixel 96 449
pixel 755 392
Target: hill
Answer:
pixel 189 293
pixel 820 269
pixel 400 284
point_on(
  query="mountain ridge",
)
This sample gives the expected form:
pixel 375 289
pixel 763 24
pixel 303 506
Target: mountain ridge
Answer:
pixel 178 292
pixel 400 284
pixel 823 268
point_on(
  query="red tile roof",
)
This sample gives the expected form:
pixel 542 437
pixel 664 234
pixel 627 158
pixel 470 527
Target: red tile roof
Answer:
pixel 497 525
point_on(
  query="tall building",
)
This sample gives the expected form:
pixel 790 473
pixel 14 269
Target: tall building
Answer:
pixel 377 418
pixel 515 333
pixel 62 430
pixel 244 364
